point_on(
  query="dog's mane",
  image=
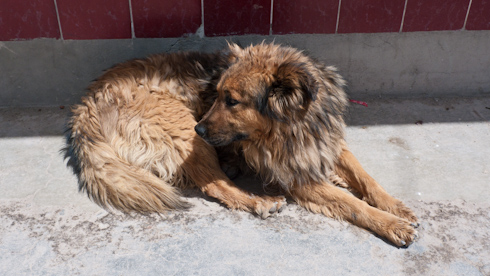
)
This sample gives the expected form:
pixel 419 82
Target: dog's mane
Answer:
pixel 304 147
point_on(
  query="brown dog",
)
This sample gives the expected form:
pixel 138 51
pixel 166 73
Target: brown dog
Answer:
pixel 133 136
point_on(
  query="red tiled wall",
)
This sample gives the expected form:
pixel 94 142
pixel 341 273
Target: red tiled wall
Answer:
pixel 308 16
pixel 109 19
pixel 165 18
pixel 232 17
pixel 423 15
pixel 27 20
pixel 94 19
pixel 479 16
pixel 370 16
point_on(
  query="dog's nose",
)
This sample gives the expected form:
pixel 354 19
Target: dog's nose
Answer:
pixel 201 130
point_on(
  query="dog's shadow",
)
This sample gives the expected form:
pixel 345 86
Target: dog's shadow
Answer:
pixel 249 183
pixel 70 158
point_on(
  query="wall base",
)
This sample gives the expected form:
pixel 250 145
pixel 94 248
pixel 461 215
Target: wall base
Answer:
pixel 49 72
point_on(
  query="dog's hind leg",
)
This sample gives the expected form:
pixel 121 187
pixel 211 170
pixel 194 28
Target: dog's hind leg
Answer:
pixel 334 202
pixel 202 167
pixel 349 169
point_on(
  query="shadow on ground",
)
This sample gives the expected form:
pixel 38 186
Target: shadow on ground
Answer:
pixel 21 122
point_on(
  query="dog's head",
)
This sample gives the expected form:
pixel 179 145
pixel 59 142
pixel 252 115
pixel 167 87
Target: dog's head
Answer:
pixel 265 83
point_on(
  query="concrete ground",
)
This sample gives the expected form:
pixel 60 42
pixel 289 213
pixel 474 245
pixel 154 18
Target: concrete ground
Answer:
pixel 434 154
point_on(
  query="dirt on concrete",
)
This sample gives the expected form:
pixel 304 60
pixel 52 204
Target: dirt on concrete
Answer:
pixel 209 239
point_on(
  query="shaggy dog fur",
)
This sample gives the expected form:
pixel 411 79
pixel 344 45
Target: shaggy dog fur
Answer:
pixel 135 137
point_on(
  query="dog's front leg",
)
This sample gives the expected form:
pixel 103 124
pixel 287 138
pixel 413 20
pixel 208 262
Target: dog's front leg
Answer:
pixel 349 169
pixel 203 168
pixel 333 202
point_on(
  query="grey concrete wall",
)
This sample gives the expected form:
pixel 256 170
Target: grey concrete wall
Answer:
pixel 48 72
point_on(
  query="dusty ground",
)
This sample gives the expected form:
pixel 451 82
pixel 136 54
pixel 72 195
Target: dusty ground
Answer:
pixel 433 154
pixel 210 240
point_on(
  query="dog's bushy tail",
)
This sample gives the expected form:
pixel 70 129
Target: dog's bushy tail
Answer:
pixel 108 179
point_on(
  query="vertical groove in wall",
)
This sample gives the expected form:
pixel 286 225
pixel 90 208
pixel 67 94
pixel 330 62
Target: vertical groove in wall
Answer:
pixel 338 17
pixel 202 19
pixel 403 16
pixel 58 18
pixel 271 17
pixel 467 14
pixel 133 34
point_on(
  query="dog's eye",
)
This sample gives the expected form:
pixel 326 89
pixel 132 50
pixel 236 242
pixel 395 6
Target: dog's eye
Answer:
pixel 231 102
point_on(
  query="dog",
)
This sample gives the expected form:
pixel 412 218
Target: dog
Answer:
pixel 149 127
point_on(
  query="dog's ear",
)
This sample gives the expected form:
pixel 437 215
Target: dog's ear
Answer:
pixel 234 48
pixel 293 89
pixel 233 51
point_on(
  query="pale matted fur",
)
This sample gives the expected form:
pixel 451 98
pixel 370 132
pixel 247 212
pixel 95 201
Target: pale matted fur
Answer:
pixel 130 133
pixel 133 141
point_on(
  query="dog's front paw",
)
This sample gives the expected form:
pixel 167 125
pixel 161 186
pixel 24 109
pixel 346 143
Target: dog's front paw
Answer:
pixel 400 210
pixel 397 208
pixel 401 232
pixel 268 205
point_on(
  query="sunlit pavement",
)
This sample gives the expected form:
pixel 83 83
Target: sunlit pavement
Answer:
pixel 433 154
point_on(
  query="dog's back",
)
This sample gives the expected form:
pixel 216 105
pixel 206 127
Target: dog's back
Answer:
pixel 122 134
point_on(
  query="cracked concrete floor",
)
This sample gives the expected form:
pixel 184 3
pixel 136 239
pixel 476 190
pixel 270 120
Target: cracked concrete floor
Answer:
pixel 434 154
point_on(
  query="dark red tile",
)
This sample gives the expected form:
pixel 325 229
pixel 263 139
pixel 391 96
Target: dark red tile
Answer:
pixel 231 17
pixel 370 16
pixel 95 19
pixel 300 17
pixel 435 15
pixel 171 18
pixel 479 16
pixel 28 20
